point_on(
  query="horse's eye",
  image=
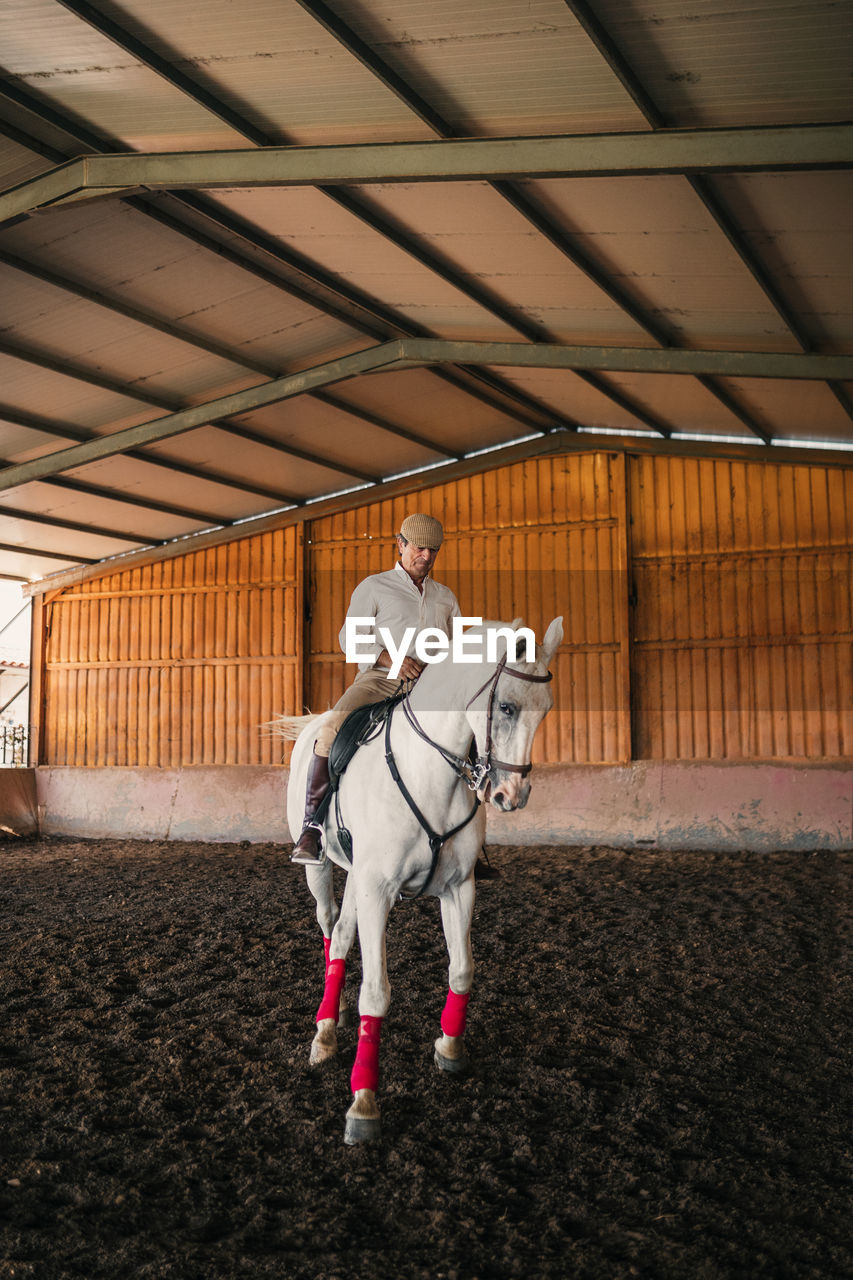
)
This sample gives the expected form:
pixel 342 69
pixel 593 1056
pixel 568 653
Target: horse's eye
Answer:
pixel 507 709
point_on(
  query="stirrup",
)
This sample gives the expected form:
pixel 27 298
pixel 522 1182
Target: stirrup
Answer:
pixel 305 859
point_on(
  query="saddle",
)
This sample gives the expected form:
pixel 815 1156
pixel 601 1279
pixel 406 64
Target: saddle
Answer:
pixel 360 726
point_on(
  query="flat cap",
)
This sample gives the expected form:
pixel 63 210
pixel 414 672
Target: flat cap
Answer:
pixel 422 530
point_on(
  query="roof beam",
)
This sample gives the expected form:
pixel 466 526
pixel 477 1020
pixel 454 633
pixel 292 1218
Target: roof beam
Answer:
pixel 418 352
pixel 771 148
pixel 188 419
pixel 725 364
pixel 81 374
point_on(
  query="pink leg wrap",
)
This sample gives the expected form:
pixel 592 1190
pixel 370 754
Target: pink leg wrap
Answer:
pixel 330 1006
pixel 327 946
pixel 365 1072
pixel 455 1010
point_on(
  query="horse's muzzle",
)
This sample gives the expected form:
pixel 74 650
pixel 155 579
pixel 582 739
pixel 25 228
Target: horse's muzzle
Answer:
pixel 508 791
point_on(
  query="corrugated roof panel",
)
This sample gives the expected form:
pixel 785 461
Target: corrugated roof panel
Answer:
pixel 274 65
pixel 68 504
pixel 709 64
pixel 256 464
pixel 18 163
pixel 191 493
pixel 424 403
pixel 654 237
pixel 793 410
pixel 21 443
pixel 88 76
pixel 801 225
pixel 17 564
pixel 346 247
pixel 59 398
pixel 351 450
pixel 497 66
pixel 570 397
pixel 486 240
pixel 683 403
pixel 32 535
pixel 98 342
pixel 125 255
pixel 313 425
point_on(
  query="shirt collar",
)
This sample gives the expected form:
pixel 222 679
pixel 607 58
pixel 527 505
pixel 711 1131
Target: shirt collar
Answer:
pixel 398 566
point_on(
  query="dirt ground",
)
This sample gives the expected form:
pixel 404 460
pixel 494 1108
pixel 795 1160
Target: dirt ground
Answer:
pixel 660 1086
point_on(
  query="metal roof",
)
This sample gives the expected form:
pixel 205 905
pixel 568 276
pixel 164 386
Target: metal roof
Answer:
pixel 255 255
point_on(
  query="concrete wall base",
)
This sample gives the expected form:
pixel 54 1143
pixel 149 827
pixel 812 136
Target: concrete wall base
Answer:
pixel 758 807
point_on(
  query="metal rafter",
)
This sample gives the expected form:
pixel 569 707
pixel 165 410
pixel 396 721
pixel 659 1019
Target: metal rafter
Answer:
pixel 405 353
pixel 70 369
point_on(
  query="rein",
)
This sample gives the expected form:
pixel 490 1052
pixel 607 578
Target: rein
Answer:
pixel 474 775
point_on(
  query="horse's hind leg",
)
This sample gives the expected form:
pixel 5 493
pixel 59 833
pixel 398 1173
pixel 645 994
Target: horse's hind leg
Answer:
pixel 332 1010
pixel 457 907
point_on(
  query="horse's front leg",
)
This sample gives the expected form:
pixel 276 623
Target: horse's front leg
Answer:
pixel 374 902
pixel 457 909
pixel 329 1015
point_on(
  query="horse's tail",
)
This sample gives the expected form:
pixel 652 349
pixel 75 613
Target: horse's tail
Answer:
pixel 289 727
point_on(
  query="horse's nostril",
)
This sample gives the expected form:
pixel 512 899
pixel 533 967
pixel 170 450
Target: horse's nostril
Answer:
pixel 499 799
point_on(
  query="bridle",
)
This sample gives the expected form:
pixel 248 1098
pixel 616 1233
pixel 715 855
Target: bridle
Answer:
pixel 473 772
pixel 485 761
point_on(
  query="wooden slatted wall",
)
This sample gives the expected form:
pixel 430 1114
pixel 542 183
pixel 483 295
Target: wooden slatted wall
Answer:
pixel 706 603
pixel 177 662
pixel 743 629
pixel 536 539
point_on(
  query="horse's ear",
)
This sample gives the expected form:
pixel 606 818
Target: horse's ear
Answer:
pixel 553 640
pixel 516 623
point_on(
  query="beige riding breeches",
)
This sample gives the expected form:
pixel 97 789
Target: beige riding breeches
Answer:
pixel 369 686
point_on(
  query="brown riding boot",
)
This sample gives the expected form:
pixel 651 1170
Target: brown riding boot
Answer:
pixel 309 847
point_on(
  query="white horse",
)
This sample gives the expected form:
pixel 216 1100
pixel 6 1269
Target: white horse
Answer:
pixel 410 799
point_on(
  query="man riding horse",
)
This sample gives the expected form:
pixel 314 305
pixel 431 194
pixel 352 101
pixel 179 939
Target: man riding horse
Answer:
pixel 403 598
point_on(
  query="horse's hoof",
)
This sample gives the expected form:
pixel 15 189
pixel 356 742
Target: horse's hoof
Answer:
pixel 345 1017
pixel 325 1043
pixel 450 1055
pixel 362 1123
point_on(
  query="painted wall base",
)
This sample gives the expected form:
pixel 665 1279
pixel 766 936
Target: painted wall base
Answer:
pixel 676 805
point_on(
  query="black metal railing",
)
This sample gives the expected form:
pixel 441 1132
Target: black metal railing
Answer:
pixel 13 745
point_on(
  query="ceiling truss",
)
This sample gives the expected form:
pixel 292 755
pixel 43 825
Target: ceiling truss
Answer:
pixel 169 187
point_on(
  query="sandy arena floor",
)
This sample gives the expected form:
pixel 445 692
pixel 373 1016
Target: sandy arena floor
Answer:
pixel 661 1084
